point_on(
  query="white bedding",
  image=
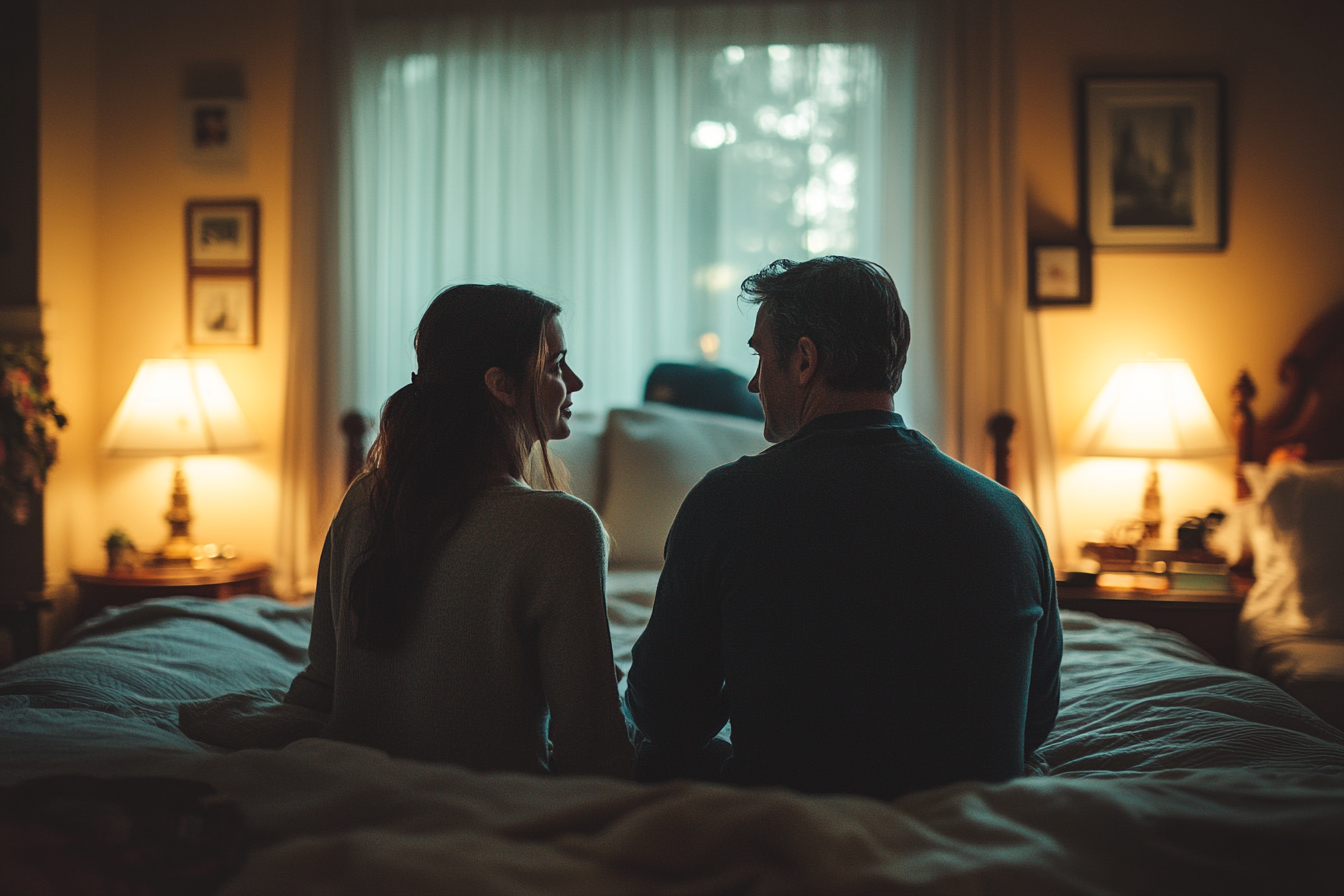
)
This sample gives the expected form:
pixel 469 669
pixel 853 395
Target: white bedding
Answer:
pixel 1165 774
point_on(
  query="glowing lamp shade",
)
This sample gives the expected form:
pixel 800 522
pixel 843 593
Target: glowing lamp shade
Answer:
pixel 1153 409
pixel 174 408
pixel 178 407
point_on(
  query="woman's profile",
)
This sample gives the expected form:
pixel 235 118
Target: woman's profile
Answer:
pixel 460 614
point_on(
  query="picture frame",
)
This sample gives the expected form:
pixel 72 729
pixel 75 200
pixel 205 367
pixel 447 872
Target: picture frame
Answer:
pixel 213 132
pixel 1152 162
pixel 1059 272
pixel 222 309
pixel 222 234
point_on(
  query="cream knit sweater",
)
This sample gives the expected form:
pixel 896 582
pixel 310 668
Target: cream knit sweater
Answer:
pixel 510 633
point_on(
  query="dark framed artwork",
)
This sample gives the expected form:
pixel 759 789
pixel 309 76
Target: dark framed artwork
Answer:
pixel 212 133
pixel 1059 273
pixel 222 309
pixel 1152 164
pixel 222 233
pixel 223 236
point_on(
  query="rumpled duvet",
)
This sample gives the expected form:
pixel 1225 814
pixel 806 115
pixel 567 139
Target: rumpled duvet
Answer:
pixel 1165 774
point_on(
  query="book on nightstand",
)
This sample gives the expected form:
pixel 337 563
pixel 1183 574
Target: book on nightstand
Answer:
pixel 1133 568
pixel 1199 577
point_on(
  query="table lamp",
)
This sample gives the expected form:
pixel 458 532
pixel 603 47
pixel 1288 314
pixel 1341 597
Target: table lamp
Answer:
pixel 1154 409
pixel 177 407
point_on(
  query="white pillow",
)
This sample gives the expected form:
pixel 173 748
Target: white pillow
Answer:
pixel 580 456
pixel 655 455
pixel 1299 545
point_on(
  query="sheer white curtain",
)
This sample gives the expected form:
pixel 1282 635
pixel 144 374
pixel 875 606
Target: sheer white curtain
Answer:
pixel 972 249
pixel 635 165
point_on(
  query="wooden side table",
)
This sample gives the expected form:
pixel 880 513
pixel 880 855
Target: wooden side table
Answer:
pixel 1209 620
pixel 107 588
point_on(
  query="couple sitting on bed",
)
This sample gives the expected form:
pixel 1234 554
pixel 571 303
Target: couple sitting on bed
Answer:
pixel 871 616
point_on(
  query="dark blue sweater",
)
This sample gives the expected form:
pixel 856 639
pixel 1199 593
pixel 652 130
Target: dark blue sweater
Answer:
pixel 873 617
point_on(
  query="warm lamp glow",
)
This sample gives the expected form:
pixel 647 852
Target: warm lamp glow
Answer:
pixel 174 408
pixel 1153 409
pixel 178 407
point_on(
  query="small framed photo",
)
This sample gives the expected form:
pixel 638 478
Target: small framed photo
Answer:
pixel 222 309
pixel 1152 162
pixel 1059 273
pixel 222 234
pixel 213 132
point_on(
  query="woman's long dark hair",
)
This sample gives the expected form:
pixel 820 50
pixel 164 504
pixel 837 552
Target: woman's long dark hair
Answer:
pixel 440 439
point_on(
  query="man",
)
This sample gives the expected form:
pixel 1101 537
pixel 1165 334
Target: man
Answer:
pixel 872 616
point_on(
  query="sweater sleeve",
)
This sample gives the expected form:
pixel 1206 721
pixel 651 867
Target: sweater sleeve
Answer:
pixel 578 675
pixel 313 686
pixel 1047 653
pixel 675 688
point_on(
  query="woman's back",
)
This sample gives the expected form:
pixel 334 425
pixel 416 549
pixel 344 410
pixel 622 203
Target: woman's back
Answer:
pixel 510 621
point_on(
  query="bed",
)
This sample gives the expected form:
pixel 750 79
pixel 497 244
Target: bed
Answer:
pixel 1165 773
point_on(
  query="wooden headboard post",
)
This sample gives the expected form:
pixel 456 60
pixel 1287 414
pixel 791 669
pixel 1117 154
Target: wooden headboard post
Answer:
pixel 1243 428
pixel 1308 421
pixel 354 425
pixel 1000 428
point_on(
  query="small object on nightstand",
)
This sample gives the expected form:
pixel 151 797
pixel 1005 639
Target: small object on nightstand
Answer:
pixel 1133 581
pixel 121 552
pixel 1194 531
pixel 1110 556
pixel 1214 577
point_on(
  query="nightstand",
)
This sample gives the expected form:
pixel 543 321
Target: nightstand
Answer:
pixel 1209 620
pixel 106 588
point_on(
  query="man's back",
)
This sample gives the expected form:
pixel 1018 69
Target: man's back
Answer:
pixel 875 617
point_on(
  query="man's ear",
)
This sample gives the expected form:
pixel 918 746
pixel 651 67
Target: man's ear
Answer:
pixel 805 361
pixel 502 386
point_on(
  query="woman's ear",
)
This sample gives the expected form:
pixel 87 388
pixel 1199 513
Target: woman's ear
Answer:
pixel 502 386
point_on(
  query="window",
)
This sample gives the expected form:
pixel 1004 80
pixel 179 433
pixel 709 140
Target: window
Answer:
pixel 634 166
pixel 783 165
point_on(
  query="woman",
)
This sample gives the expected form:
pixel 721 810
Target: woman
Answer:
pixel 460 615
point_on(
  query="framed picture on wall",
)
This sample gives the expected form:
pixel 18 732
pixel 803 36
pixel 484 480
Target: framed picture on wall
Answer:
pixel 1059 273
pixel 1152 162
pixel 222 309
pixel 212 133
pixel 222 234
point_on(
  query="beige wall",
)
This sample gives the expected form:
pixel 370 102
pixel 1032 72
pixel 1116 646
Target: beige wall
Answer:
pixel 1221 311
pixel 112 269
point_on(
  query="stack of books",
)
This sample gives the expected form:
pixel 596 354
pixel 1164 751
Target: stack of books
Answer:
pixel 1139 568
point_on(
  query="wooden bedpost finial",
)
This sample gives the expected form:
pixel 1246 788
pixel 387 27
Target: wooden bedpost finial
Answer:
pixel 1243 390
pixel 354 425
pixel 1000 428
pixel 1243 429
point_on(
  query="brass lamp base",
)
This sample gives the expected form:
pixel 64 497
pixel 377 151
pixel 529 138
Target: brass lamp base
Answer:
pixel 179 547
pixel 1152 505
